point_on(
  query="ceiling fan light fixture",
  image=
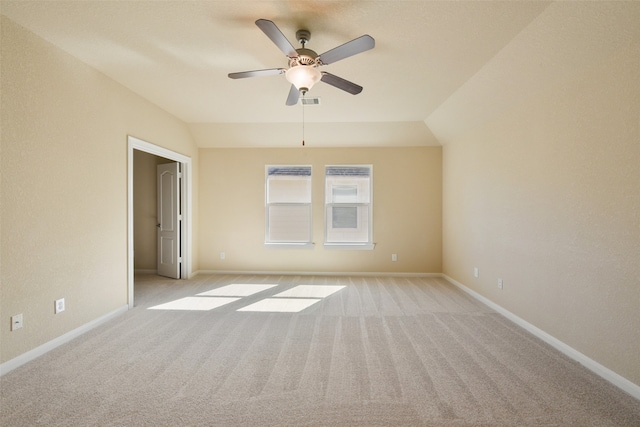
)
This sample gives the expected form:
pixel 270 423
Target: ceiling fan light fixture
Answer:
pixel 303 70
pixel 303 77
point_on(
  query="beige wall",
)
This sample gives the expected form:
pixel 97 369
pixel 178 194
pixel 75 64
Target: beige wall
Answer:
pixel 547 197
pixel 64 187
pixel 407 210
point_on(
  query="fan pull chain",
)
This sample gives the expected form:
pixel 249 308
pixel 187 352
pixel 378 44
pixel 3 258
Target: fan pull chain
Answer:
pixel 303 94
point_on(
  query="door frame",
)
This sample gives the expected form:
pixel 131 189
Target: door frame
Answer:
pixel 134 143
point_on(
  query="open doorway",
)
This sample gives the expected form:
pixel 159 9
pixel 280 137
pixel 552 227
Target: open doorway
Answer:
pixel 154 153
pixel 147 212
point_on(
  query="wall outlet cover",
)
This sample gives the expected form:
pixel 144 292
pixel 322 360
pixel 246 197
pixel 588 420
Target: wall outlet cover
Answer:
pixel 16 322
pixel 59 307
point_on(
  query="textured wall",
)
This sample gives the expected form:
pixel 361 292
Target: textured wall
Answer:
pixel 64 187
pixel 547 197
pixel 407 213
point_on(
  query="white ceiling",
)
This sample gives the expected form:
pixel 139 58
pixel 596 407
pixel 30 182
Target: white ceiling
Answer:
pixel 438 68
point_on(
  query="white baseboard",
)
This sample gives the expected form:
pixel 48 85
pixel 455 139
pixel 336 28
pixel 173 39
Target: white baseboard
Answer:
pixel 602 371
pixel 319 273
pixel 62 339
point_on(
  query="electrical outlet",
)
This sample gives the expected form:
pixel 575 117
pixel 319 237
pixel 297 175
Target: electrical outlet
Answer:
pixel 476 272
pixel 16 322
pixel 499 283
pixel 394 257
pixel 59 305
pixel 222 255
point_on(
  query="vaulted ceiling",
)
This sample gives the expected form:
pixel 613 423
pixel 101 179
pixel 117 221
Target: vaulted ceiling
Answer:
pixel 438 68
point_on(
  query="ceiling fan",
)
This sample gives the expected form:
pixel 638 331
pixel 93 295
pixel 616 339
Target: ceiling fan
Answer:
pixel 303 70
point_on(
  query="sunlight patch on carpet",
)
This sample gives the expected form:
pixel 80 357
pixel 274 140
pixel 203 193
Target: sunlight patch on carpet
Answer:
pixel 310 291
pixel 237 290
pixel 280 305
pixel 194 303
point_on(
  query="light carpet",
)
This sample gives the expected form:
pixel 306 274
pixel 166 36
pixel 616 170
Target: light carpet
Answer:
pixel 382 351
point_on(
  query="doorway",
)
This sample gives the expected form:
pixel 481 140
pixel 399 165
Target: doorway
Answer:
pixel 156 224
pixel 137 145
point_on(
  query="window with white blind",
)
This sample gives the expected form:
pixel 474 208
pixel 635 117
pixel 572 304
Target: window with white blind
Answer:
pixel 288 206
pixel 348 207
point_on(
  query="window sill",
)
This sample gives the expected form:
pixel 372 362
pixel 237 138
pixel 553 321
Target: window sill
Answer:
pixel 350 246
pixel 289 245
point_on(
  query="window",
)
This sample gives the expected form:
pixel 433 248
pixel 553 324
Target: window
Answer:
pixel 288 206
pixel 348 207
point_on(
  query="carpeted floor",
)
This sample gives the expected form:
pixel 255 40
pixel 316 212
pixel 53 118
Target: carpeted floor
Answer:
pixel 379 352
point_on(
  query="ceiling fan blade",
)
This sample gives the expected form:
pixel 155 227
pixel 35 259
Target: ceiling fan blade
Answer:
pixel 294 95
pixel 341 83
pixel 276 36
pixel 257 73
pixel 355 46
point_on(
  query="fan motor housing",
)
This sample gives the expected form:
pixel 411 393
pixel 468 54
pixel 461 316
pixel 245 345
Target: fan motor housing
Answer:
pixel 305 57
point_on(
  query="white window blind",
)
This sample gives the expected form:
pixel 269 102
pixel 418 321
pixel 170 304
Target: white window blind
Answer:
pixel 288 205
pixel 348 205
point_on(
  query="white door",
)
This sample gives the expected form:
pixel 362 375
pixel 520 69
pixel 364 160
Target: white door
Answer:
pixel 169 220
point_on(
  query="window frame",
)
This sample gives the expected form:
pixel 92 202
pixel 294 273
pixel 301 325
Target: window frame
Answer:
pixel 329 203
pixel 308 244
